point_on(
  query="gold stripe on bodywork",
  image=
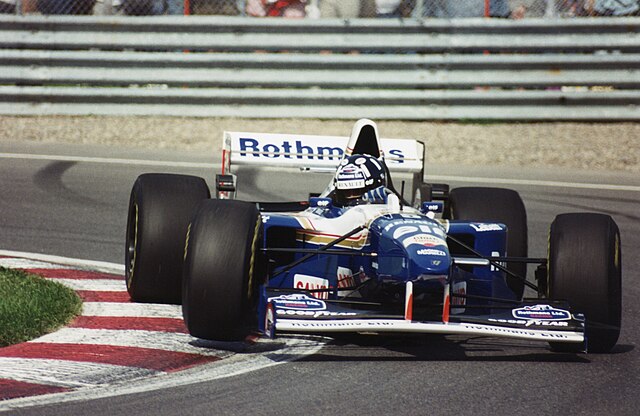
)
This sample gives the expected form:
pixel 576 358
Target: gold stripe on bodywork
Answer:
pixel 357 242
pixel 252 261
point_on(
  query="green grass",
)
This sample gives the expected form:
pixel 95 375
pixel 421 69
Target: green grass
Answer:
pixel 31 306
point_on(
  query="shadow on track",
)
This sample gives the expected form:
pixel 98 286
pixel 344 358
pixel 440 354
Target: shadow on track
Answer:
pixel 436 348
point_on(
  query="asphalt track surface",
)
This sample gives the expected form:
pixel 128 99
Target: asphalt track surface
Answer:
pixel 76 207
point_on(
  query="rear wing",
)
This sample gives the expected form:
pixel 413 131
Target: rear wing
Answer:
pixel 311 153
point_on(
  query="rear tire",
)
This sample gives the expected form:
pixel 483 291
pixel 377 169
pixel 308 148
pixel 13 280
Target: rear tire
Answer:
pixel 160 208
pixel 496 205
pixel 421 194
pixel 220 277
pixel 585 270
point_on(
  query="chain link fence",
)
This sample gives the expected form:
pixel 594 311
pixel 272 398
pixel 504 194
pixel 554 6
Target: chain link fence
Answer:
pixel 344 9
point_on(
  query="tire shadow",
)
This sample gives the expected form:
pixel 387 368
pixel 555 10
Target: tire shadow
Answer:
pixel 49 180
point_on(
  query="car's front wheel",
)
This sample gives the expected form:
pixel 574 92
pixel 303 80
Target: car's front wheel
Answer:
pixel 160 207
pixel 221 270
pixel 585 269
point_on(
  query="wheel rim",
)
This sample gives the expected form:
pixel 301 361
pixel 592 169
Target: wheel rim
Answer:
pixel 132 243
pixel 616 253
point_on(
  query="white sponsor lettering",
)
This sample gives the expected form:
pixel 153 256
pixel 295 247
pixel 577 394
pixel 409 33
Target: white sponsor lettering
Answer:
pixel 352 184
pixel 302 281
pixel 431 252
pixel 334 324
pixel 482 227
pixel 337 324
pixel 409 219
pixel 400 231
pixel 516 331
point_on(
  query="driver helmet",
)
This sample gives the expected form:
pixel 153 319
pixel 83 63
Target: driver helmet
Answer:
pixel 356 175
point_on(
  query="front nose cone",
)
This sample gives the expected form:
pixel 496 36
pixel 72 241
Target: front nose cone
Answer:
pixel 429 260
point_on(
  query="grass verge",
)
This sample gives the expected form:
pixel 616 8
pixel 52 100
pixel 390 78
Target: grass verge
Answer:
pixel 31 306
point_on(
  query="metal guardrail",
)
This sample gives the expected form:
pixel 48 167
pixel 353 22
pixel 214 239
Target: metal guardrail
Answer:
pixel 583 69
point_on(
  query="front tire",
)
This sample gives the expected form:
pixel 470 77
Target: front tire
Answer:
pixel 496 205
pixel 220 277
pixel 160 208
pixel 585 269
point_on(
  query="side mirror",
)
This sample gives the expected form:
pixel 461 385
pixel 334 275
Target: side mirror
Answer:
pixel 225 186
pixel 317 202
pixel 432 206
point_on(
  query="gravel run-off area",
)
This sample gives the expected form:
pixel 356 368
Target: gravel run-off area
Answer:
pixel 588 146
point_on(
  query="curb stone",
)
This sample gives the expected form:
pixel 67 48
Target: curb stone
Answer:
pixel 112 341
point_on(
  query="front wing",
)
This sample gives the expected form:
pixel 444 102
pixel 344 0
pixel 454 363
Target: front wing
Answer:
pixel 536 320
pixel 401 326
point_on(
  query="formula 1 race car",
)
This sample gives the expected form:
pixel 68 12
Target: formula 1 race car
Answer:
pixel 358 257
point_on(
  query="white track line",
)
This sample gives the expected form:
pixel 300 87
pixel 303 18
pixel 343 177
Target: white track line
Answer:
pixel 110 161
pixel 30 264
pixel 140 310
pixel 63 373
pixel 528 182
pixel 98 266
pixel 100 285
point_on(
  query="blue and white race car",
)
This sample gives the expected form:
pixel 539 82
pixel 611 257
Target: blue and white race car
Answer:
pixel 358 257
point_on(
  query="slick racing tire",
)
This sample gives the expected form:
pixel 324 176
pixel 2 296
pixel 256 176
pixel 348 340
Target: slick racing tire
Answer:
pixel 496 205
pixel 160 208
pixel 585 270
pixel 221 270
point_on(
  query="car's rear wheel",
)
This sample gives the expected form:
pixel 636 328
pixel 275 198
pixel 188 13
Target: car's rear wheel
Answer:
pixel 160 208
pixel 220 277
pixel 585 269
pixel 496 205
pixel 421 194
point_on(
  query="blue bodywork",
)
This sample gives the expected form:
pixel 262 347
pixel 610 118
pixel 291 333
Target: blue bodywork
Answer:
pixel 400 247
